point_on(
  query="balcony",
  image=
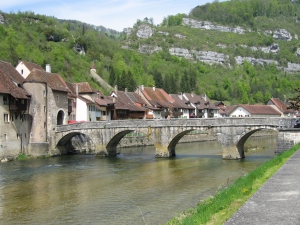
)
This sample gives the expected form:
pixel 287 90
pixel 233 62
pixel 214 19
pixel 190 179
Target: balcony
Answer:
pixel 17 107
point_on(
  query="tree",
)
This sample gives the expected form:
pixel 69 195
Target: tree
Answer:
pixel 295 102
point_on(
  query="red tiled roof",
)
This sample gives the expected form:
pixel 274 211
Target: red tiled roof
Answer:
pixel 53 80
pixel 83 87
pixel 201 102
pixel 7 86
pixel 281 105
pixel 260 109
pixel 123 101
pixel 159 97
pixel 30 66
pixel 11 72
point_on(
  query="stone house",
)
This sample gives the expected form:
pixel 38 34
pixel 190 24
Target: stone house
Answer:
pixel 282 107
pixel 15 123
pixel 204 108
pixel 48 107
pixel 254 111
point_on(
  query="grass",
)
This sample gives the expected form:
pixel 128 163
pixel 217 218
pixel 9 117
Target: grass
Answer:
pixel 218 209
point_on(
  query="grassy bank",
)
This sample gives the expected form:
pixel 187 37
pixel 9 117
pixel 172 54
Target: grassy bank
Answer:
pixel 217 209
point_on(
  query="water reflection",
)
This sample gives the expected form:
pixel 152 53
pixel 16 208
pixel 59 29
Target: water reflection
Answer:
pixel 82 189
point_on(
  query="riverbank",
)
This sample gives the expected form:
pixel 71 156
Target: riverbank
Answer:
pixel 219 208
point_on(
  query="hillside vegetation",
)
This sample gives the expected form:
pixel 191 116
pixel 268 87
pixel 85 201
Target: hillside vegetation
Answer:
pixel 71 47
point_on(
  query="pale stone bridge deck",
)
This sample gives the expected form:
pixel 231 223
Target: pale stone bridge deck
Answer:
pixel 231 133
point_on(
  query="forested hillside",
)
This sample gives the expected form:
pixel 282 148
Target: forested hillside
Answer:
pixel 204 51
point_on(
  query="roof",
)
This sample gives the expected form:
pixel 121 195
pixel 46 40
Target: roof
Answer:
pixel 200 101
pixel 260 109
pixel 13 74
pixel 158 97
pixel 182 103
pixel 83 87
pixel 53 80
pixel 30 66
pixel 281 105
pixel 124 101
pixel 8 86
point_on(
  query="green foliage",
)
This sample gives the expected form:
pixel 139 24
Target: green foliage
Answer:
pixel 47 40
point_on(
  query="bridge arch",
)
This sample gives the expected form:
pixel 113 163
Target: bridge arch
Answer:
pixel 65 145
pixel 244 137
pixel 175 140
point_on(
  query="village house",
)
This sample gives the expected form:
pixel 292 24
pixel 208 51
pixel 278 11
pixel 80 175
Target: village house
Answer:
pixel 203 106
pixel 15 124
pixel 253 111
pixel 159 102
pixel 185 107
pixel 282 107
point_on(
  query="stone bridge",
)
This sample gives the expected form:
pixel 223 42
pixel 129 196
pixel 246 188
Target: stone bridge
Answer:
pixel 104 136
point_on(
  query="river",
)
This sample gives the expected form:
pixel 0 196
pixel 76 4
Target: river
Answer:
pixel 132 188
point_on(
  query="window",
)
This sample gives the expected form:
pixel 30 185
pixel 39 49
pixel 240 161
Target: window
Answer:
pixel 44 93
pixel 44 124
pixel 57 98
pixel 44 108
pixel 5 100
pixel 17 136
pixel 5 136
pixel 6 118
pixel 22 71
pixel 11 118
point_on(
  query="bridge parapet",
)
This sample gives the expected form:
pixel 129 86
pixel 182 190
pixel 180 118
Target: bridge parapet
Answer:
pixel 165 134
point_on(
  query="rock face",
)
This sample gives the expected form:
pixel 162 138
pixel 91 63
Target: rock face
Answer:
pixel 274 48
pixel 206 25
pixel 163 32
pixel 221 45
pixel 298 52
pixel 292 68
pixel 211 57
pixel 128 31
pixel 144 31
pixel 149 49
pixel 181 52
pixel 282 34
pixel 240 60
pixel 2 20
pixel 180 36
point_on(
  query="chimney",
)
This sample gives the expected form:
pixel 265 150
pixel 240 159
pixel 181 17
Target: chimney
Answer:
pixel 116 88
pixel 192 94
pixel 153 87
pixel 142 87
pixel 180 95
pixel 126 90
pixel 76 89
pixel 204 97
pixel 48 68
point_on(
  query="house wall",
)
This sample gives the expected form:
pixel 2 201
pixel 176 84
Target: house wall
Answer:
pixel 157 115
pixel 37 111
pixel 81 110
pixel 58 101
pixel 22 69
pixel 240 112
pixel 10 144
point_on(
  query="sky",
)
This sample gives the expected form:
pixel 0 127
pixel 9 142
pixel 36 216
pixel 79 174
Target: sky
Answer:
pixel 114 14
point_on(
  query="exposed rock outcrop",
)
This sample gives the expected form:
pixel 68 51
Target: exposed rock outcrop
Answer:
pixel 206 25
pixel 180 36
pixel 128 31
pixel 240 60
pixel 181 52
pixel 211 57
pixel 221 45
pixel 163 32
pixel 292 68
pixel 2 20
pixel 144 31
pixel 274 48
pixel 282 34
pixel 149 49
pixel 298 52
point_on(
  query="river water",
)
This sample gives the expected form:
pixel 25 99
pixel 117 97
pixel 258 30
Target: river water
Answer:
pixel 132 188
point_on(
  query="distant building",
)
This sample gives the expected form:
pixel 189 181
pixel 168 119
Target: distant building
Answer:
pixel 282 107
pixel 253 111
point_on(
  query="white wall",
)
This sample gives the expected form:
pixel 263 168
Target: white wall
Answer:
pixel 240 112
pixel 81 110
pixel 22 69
